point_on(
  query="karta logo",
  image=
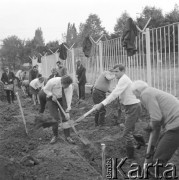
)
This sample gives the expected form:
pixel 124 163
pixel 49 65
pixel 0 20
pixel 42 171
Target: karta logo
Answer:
pixel 114 169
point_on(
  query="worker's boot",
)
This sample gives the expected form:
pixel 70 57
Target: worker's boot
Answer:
pixel 130 152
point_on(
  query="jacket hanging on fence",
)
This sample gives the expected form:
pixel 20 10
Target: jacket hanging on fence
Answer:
pixel 63 52
pixel 87 46
pixel 39 59
pixel 128 37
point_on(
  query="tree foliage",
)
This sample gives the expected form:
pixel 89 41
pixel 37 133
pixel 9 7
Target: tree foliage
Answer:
pixel 157 18
pixel 173 16
pixel 92 27
pixel 38 39
pixel 121 21
pixel 72 35
pixel 12 51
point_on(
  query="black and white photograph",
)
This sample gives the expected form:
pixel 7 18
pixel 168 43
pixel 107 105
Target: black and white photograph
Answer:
pixel 89 89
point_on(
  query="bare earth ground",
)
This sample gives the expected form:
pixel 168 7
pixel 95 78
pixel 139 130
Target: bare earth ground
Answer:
pixel 31 157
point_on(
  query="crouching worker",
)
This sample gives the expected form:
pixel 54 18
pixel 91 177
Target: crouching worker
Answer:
pixel 35 86
pixel 163 109
pixel 101 87
pixel 59 89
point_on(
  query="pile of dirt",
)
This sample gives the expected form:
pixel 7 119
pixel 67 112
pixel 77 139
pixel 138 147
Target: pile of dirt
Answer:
pixel 31 157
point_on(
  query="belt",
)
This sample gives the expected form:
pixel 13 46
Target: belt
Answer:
pixel 99 90
pixel 126 106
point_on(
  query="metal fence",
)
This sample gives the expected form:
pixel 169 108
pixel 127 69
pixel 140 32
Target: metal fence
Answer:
pixel 156 60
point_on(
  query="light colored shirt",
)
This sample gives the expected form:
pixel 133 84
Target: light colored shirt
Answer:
pixel 19 74
pixel 123 91
pixel 162 107
pixel 104 81
pixel 36 84
pixel 54 87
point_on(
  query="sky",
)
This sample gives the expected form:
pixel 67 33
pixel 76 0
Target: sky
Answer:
pixel 23 17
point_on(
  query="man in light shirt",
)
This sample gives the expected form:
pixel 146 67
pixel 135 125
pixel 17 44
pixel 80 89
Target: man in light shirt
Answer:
pixel 35 86
pixel 163 109
pixel 19 77
pixel 131 104
pixel 59 89
pixel 101 87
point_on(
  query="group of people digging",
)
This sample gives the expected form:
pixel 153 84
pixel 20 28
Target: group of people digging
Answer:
pixel 162 107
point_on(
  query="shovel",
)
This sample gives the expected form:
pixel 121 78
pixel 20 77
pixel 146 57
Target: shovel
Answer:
pixel 71 123
pixel 22 113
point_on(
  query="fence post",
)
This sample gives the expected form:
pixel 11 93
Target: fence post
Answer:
pixel 73 64
pixel 149 74
pixel 100 56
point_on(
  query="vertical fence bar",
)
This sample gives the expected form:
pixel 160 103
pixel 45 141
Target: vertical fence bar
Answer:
pixel 161 63
pixel 148 56
pixel 153 62
pixel 100 57
pixel 73 63
pixel 174 77
pixel 169 57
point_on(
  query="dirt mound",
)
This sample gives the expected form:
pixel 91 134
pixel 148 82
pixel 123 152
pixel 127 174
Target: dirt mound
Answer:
pixel 9 170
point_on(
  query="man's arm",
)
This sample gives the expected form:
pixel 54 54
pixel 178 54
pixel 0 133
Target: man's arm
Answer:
pixel 109 76
pixel 152 106
pixel 156 127
pixel 119 89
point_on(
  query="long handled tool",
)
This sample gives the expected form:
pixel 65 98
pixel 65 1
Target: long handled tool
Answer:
pixel 84 141
pixel 22 113
pixel 71 123
pixel 148 151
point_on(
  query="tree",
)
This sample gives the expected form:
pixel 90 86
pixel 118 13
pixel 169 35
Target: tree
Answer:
pixel 53 46
pixel 157 18
pixel 91 27
pixel 71 36
pixel 38 39
pixel 119 27
pixel 173 16
pixel 12 51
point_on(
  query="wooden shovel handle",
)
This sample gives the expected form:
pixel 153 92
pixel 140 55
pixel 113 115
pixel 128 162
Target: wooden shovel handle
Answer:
pixel 86 114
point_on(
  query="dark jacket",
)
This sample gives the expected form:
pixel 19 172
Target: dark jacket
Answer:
pixel 81 72
pixel 52 76
pixel 63 52
pixel 128 37
pixel 32 75
pixel 62 71
pixel 8 79
pixel 87 46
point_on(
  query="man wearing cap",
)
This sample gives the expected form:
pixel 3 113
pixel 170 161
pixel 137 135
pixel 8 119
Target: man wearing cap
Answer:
pixel 101 87
pixel 81 75
pixel 62 70
pixel 131 104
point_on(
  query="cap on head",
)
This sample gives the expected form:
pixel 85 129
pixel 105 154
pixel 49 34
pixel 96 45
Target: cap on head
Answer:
pixel 121 67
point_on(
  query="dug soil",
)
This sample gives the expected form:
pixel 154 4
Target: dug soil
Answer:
pixel 31 157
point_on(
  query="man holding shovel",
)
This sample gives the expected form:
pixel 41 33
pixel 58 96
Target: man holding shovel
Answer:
pixel 59 89
pixel 163 109
pixel 131 104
